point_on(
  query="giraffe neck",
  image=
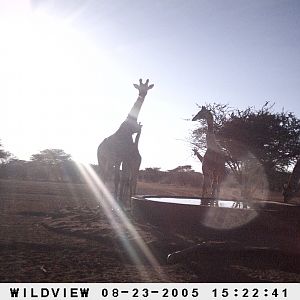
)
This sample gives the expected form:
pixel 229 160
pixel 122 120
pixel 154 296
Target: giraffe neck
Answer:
pixel 135 110
pixel 211 142
pixel 210 123
pixel 210 136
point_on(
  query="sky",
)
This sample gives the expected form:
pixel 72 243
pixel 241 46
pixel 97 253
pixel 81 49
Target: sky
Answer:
pixel 67 70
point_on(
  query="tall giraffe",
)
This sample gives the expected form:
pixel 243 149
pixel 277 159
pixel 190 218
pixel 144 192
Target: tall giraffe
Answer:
pixel 115 149
pixel 130 170
pixel 293 185
pixel 213 162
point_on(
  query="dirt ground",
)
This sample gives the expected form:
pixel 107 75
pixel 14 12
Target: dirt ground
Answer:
pixel 59 232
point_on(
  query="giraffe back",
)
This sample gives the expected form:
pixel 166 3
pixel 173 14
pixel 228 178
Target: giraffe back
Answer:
pixel 213 160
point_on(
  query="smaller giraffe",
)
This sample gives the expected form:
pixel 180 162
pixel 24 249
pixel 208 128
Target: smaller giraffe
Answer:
pixel 293 185
pixel 130 170
pixel 213 162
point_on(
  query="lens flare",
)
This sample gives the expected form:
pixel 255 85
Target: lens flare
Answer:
pixel 120 224
pixel 250 184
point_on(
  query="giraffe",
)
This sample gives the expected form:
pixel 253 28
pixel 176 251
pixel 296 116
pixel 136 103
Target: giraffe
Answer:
pixel 130 170
pixel 292 186
pixel 213 162
pixel 114 149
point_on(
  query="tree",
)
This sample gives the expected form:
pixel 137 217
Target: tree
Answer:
pixel 182 175
pixel 51 156
pixel 258 141
pixel 186 168
pixel 151 174
pixel 5 156
pixel 16 169
pixel 55 160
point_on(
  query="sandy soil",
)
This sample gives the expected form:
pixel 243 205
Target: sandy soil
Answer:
pixel 57 232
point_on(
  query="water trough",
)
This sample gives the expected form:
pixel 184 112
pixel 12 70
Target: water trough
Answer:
pixel 220 215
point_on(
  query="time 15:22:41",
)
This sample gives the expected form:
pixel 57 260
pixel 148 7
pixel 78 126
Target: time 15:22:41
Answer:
pixel 249 293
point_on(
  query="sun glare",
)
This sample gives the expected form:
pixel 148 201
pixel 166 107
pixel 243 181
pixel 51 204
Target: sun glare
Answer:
pixel 50 74
pixel 121 223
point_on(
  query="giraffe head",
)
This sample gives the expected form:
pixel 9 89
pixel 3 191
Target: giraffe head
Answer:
pixel 143 87
pixel 204 113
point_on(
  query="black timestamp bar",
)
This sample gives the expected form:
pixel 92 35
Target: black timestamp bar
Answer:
pixel 151 291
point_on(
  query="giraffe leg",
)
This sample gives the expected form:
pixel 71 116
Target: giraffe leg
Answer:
pixel 206 181
pixel 125 177
pixel 103 175
pixel 122 186
pixel 127 194
pixel 117 179
pixel 128 188
pixel 134 177
pixel 133 186
pixel 218 189
pixel 215 184
pixel 132 183
pixel 214 188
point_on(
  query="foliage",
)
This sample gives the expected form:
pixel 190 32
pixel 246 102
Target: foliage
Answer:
pixel 5 156
pixel 51 157
pixel 151 174
pixel 186 168
pixel 260 138
pixel 155 169
pixel 40 171
pixel 182 175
